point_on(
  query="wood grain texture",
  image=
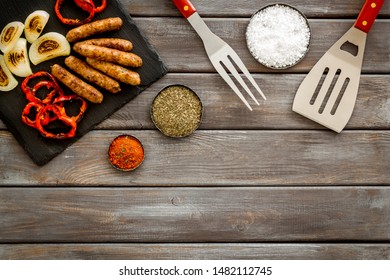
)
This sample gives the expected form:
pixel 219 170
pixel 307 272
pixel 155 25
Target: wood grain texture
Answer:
pixel 263 185
pixel 372 110
pixel 204 251
pixel 165 33
pixel 217 158
pixel 245 8
pixel 13 103
pixel 269 214
pixel 223 109
pixel 183 51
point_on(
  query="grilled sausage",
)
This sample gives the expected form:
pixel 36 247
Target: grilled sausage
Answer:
pixel 93 28
pixel 77 85
pixel 116 71
pixel 113 43
pixel 107 54
pixel 91 74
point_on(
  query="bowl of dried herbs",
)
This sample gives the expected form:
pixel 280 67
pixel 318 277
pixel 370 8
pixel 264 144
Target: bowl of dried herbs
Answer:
pixel 176 111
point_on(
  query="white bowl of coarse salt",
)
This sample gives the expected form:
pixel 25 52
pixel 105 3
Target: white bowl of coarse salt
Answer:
pixel 278 36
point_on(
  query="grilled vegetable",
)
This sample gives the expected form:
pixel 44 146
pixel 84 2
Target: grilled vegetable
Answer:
pixel 41 113
pixel 7 80
pixel 86 5
pixel 34 25
pixel 17 59
pixel 48 46
pixel 10 35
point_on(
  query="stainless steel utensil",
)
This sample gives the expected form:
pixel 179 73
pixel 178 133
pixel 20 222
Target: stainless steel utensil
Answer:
pixel 220 53
pixel 328 93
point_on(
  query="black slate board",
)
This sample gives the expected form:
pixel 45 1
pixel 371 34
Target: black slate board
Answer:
pixel 42 150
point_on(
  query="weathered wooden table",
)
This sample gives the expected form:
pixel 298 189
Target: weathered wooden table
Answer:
pixel 267 184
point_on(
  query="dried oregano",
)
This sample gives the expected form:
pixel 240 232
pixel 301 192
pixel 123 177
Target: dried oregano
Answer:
pixel 176 111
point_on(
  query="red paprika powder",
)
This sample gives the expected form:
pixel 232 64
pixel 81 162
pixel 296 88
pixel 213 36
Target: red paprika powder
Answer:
pixel 126 152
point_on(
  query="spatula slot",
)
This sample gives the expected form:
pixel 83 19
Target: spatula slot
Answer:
pixel 328 96
pixel 319 86
pixel 340 96
pixel 329 92
pixel 350 48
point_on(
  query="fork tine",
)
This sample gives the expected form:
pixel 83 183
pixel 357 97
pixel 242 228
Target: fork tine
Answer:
pixel 229 65
pixel 222 72
pixel 237 60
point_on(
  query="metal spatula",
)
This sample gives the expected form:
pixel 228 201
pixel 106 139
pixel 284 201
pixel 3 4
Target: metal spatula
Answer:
pixel 328 93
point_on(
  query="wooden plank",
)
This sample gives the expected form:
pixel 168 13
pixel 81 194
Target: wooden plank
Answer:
pixel 269 214
pixel 245 8
pixel 212 158
pixel 166 42
pixel 182 49
pixel 223 110
pixel 208 251
pixel 198 201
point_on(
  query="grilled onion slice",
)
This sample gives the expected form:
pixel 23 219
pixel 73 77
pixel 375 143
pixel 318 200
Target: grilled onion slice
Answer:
pixel 34 25
pixel 48 46
pixel 17 59
pixel 10 35
pixel 7 80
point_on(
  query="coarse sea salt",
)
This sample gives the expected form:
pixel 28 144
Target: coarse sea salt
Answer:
pixel 278 36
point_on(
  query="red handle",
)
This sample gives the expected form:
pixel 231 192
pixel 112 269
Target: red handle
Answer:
pixel 368 14
pixel 185 7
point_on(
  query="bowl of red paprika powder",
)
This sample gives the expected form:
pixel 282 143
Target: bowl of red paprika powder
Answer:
pixel 126 152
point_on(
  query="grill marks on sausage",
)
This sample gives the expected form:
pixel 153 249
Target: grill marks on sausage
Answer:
pixel 93 28
pixel 112 43
pixel 76 85
pixel 107 54
pixel 105 64
pixel 118 72
pixel 91 74
pixel 112 62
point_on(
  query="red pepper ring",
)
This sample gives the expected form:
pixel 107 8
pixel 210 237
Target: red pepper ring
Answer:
pixel 39 74
pixel 49 85
pixel 101 7
pixel 30 93
pixel 45 119
pixel 86 5
pixel 40 122
pixel 27 111
pixel 66 98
